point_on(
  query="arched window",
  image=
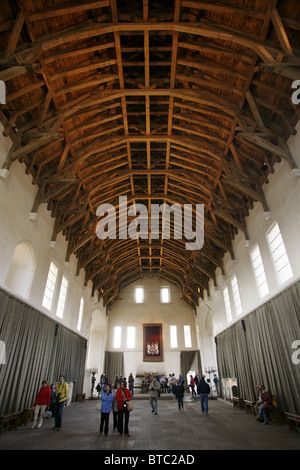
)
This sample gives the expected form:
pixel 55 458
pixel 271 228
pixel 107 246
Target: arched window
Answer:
pixel 21 270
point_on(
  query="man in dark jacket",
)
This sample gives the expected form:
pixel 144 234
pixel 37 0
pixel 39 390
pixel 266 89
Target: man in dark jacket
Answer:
pixel 203 390
pixel 179 393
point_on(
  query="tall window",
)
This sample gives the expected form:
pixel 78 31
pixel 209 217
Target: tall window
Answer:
pixel 130 337
pixel 236 296
pixel 165 295
pixel 173 336
pixel 50 286
pixel 279 255
pixel 259 272
pixel 117 337
pixel 187 336
pixel 227 304
pixel 139 295
pixel 81 307
pixel 62 297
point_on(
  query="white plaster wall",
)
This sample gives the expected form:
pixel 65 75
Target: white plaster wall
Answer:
pixel 127 313
pixel 282 194
pixel 17 194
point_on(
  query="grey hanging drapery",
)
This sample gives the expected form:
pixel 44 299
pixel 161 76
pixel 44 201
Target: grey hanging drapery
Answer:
pixel 262 353
pixel 113 365
pixel 35 350
pixel 187 359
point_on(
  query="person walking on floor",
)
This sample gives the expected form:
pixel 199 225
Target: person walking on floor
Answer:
pixel 154 388
pixel 203 390
pixel 41 402
pixel 106 407
pixel 192 385
pixel 122 396
pixel 179 394
pixel 62 392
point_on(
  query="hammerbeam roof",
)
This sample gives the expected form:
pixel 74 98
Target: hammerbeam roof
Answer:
pixel 175 102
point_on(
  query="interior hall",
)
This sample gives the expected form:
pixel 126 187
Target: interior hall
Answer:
pixel 149 219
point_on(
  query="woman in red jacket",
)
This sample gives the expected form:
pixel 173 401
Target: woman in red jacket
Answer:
pixel 41 402
pixel 122 396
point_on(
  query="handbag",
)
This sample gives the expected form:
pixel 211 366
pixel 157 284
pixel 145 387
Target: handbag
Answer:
pixel 128 405
pixel 98 406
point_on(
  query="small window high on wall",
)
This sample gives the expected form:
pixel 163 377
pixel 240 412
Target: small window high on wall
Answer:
pixel 236 295
pixel 279 255
pixel 50 286
pixel 139 295
pixel 62 297
pixel 80 315
pixel 187 336
pixel 117 337
pixel 165 295
pixel 173 336
pixel 227 304
pixel 259 272
pixel 130 337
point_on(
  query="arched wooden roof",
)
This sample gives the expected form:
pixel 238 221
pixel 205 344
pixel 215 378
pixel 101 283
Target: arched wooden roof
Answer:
pixel 175 102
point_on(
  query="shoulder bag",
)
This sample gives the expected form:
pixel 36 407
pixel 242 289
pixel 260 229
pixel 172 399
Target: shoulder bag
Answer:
pixel 128 405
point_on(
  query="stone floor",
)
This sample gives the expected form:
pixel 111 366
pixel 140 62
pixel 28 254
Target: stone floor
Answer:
pixel 225 428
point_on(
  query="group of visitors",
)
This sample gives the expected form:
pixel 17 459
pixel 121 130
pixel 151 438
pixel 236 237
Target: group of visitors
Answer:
pixel 167 384
pixel 194 381
pixel 54 398
pixel 115 400
pixel 177 386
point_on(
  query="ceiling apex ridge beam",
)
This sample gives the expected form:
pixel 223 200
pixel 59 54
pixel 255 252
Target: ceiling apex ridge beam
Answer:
pixel 83 32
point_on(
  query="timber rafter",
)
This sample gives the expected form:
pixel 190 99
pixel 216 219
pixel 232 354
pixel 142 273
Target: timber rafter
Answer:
pixel 184 103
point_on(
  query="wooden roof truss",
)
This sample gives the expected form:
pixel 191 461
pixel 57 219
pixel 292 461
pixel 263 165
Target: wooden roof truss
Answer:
pixel 188 102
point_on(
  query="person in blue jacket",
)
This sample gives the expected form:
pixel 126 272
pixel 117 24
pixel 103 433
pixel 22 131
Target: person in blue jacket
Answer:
pixel 106 407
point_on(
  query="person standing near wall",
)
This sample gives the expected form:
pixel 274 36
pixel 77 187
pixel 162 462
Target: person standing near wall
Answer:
pixel 41 402
pixel 154 388
pixel 216 381
pixel 62 391
pixel 131 383
pixel 203 390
